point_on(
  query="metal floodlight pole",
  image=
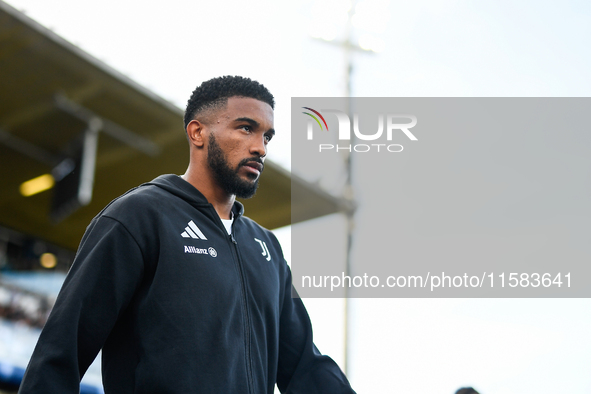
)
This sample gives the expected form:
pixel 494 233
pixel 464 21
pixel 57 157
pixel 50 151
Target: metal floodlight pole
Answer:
pixel 348 48
pixel 349 192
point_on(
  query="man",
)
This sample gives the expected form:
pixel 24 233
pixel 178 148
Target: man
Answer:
pixel 182 292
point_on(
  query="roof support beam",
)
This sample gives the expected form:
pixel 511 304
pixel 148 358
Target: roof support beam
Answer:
pixel 109 127
pixel 28 149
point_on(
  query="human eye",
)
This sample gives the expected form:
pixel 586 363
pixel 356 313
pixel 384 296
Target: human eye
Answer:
pixel 268 137
pixel 246 127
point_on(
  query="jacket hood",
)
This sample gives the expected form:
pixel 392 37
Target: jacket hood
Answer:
pixel 177 186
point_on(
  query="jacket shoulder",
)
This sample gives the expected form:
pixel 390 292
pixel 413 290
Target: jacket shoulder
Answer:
pixel 137 208
pixel 138 199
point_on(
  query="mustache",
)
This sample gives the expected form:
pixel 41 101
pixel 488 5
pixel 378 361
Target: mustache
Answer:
pixel 255 159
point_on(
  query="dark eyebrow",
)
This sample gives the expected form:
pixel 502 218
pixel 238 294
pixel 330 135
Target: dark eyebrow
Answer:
pixel 253 123
pixel 250 121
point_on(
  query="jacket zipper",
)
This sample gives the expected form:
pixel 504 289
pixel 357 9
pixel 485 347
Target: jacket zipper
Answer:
pixel 246 313
pixel 247 328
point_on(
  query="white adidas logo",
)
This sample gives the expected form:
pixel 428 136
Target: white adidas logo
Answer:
pixel 192 231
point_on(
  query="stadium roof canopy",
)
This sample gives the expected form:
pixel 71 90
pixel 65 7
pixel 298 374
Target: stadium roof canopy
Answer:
pixel 50 89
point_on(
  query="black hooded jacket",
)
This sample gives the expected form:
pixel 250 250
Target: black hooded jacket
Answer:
pixel 179 306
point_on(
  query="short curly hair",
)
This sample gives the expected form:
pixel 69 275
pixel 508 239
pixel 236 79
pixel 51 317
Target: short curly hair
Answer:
pixel 216 92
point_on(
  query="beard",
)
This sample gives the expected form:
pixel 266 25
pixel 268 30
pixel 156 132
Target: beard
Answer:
pixel 227 177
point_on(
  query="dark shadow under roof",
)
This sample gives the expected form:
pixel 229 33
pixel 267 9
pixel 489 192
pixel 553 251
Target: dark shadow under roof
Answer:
pixel 35 66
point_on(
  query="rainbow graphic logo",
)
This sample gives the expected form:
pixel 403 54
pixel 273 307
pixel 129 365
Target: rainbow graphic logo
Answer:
pixel 315 118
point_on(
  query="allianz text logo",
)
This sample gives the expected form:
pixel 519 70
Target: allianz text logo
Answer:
pixel 388 126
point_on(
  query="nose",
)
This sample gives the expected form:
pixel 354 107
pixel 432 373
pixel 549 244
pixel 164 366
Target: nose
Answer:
pixel 259 147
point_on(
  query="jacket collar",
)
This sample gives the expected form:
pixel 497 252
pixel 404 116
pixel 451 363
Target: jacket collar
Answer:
pixel 176 185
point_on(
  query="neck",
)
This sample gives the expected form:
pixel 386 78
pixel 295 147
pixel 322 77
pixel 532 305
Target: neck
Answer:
pixel 222 202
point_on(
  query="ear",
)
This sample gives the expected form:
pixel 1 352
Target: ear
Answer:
pixel 195 133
